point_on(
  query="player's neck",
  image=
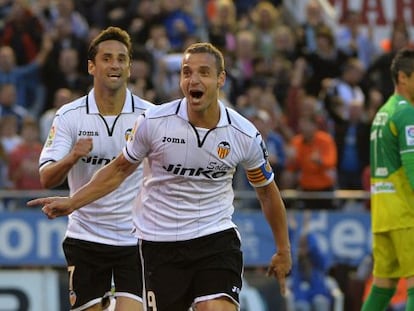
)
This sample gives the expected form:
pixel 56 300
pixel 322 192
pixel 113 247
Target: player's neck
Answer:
pixel 206 118
pixel 110 103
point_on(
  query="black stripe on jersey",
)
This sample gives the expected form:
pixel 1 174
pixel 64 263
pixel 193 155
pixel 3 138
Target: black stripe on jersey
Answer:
pixel 81 105
pixel 178 106
pixel 200 143
pixel 46 162
pixel 129 154
pixel 132 103
pixel 87 104
pixel 109 130
pixel 228 116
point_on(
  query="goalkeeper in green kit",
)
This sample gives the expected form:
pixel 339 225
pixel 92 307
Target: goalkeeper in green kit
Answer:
pixel 392 188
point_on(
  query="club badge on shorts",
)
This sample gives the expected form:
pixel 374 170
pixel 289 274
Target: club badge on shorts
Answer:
pixel 72 297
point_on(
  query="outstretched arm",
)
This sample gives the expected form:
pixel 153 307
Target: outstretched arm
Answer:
pixel 104 181
pixel 275 213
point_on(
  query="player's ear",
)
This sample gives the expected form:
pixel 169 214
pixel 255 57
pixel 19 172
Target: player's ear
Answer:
pixel 91 67
pixel 221 79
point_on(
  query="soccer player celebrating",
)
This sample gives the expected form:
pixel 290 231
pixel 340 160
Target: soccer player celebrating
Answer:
pixel 392 184
pixel 183 216
pixel 86 135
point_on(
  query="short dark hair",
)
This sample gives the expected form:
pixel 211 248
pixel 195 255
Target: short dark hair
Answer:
pixel 110 33
pixel 206 47
pixel 403 61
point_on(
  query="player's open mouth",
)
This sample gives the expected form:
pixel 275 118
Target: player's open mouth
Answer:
pixel 196 94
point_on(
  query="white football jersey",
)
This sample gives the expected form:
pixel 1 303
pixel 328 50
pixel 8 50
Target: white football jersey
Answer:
pixel 188 192
pixel 107 220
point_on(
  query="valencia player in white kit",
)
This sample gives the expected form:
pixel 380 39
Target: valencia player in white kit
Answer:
pixel 86 135
pixel 189 245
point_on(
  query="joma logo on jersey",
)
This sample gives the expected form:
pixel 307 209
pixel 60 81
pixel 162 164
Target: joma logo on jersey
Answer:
pixel 88 133
pixel 173 140
pixel 188 171
pixel 96 160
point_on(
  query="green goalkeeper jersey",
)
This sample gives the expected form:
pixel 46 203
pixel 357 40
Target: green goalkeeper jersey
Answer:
pixel 392 166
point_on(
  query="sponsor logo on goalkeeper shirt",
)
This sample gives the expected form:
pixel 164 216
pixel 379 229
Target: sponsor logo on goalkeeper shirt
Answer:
pixel 409 135
pixel 382 187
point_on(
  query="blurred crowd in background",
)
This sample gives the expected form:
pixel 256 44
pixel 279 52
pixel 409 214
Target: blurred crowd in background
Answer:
pixel 310 88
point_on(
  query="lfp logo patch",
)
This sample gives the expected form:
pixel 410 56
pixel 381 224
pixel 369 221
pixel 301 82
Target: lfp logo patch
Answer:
pixel 128 134
pixel 51 137
pixel 409 135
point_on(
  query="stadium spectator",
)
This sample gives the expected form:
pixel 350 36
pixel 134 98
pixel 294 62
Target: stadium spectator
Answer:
pixel 300 104
pixel 378 73
pixel 62 96
pixel 26 78
pixel 279 76
pixel 242 66
pixel 274 141
pixel 325 62
pixel 222 26
pixel 265 19
pixel 338 93
pixel 24 159
pixel 244 8
pixel 92 11
pixel 375 100
pixel 167 76
pixel 352 40
pixel 352 142
pixel 311 162
pixel 66 10
pixel 113 13
pixel 146 16
pixel 275 144
pixel 67 74
pixel 9 139
pixel 179 23
pixel 285 42
pixel 307 281
pixel 141 81
pixel 306 33
pixel 5 7
pixel 8 103
pixel 247 102
pixel 158 44
pixel 23 32
pixel 63 37
pixel 9 133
